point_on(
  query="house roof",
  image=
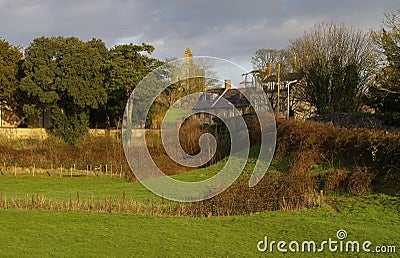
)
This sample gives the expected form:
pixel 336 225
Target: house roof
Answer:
pixel 232 95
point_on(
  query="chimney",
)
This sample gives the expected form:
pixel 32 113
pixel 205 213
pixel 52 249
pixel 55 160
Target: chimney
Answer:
pixel 269 69
pixel 228 84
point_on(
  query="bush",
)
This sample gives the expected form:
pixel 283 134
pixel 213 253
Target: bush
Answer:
pixel 274 192
pixel 360 181
pixel 308 143
pixel 335 180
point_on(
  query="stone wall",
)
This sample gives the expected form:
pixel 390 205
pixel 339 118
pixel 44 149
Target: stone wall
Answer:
pixel 42 133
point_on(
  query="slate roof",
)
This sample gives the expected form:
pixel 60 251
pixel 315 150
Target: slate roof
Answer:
pixel 232 95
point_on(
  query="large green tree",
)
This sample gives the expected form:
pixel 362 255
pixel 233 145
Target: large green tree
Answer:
pixel 64 76
pixel 384 94
pixel 126 66
pixel 10 58
pixel 334 64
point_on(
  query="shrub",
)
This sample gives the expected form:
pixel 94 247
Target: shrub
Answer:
pixel 335 179
pixel 308 143
pixel 360 181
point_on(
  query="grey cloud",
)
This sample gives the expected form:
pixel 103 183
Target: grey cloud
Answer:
pixel 228 29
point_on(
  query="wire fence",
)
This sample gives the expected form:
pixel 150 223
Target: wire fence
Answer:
pixel 160 206
pixel 62 169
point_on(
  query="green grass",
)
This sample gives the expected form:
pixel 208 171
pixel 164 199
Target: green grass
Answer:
pixel 89 234
pixel 276 166
pixel 175 113
pixel 56 188
pixel 43 233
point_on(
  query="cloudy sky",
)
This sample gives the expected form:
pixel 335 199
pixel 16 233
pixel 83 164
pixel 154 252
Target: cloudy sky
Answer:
pixel 233 30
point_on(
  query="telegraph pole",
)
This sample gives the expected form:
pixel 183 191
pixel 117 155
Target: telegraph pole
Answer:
pixel 279 87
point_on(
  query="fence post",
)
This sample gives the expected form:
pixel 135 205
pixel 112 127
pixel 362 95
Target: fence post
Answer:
pixel 61 167
pixel 70 203
pixel 322 197
pixel 78 198
pixel 71 171
pixel 123 202
pixel 110 206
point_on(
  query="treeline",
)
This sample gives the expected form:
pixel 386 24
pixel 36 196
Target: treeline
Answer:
pixel 339 68
pixel 79 84
pixel 83 84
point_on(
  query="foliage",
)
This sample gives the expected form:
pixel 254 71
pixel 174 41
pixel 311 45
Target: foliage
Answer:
pixel 263 57
pixel 10 58
pixel 385 92
pixel 182 78
pixel 309 143
pixel 334 63
pixel 69 127
pixel 126 66
pixel 66 77
pixel 92 149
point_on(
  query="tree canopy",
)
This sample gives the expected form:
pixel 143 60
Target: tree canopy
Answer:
pixel 10 58
pixel 264 57
pixel 65 77
pixel 126 66
pixel 385 92
pixel 81 84
pixel 334 62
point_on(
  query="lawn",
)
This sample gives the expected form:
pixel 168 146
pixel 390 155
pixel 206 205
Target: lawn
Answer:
pixel 39 233
pixel 98 187
pixel 175 113
pixel 43 233
pixel 61 189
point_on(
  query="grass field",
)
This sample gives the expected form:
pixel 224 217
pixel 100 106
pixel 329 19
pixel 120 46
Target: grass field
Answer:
pixel 43 233
pixel 71 233
pixel 99 187
pixel 175 113
pixel 39 233
pixel 61 188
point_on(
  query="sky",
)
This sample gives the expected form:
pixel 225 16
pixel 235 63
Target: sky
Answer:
pixel 232 30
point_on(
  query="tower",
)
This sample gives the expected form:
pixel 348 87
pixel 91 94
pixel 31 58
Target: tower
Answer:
pixel 187 53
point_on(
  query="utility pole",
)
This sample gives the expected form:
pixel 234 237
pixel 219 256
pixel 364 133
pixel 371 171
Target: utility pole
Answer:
pixel 279 87
pixel 1 112
pixel 288 97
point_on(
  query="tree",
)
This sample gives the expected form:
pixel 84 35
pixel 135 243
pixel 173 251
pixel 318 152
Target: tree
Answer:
pixel 188 77
pixel 262 58
pixel 384 94
pixel 126 66
pixel 64 76
pixel 334 64
pixel 183 77
pixel 10 59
